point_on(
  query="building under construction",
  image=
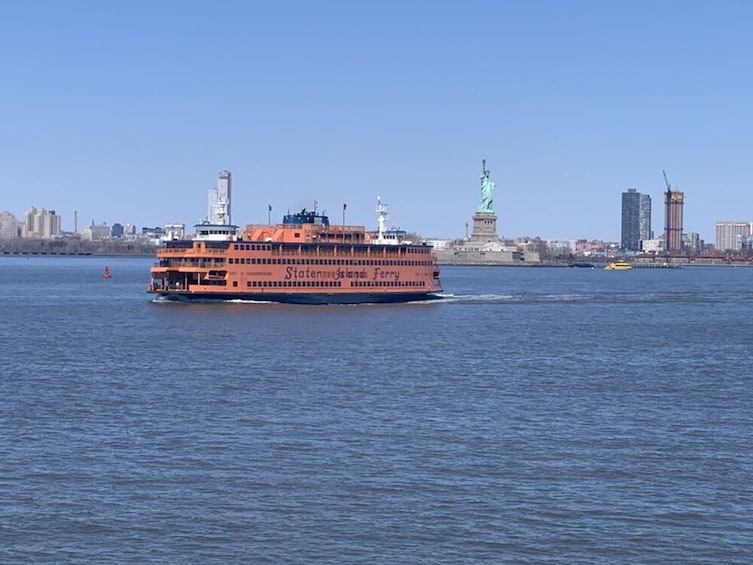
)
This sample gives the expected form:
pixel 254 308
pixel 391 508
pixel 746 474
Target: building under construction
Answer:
pixel 673 203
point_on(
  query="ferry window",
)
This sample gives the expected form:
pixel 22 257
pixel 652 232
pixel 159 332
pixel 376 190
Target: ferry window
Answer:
pixel 235 283
pixel 296 234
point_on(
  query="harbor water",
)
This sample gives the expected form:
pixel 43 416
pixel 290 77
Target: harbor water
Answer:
pixel 533 415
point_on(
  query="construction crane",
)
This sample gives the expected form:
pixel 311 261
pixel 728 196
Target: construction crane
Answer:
pixel 669 186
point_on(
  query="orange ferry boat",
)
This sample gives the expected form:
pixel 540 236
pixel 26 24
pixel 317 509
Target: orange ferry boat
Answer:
pixel 304 260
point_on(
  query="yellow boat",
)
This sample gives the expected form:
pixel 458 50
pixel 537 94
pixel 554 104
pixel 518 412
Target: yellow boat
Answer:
pixel 618 266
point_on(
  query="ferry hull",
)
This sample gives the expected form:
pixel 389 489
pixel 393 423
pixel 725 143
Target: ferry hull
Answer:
pixel 308 298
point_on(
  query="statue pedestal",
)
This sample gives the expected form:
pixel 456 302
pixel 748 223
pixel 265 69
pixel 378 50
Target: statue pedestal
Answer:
pixel 484 227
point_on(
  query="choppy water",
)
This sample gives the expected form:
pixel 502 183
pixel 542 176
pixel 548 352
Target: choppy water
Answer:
pixel 533 416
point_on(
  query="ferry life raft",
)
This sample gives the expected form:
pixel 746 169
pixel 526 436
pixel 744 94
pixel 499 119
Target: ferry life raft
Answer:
pixel 304 260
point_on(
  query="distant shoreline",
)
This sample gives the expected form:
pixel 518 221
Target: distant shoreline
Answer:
pixel 75 247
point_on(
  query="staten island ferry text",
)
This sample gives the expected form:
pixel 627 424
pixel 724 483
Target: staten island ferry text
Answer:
pixel 292 273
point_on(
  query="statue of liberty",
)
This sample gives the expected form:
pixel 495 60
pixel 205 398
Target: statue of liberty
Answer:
pixel 487 190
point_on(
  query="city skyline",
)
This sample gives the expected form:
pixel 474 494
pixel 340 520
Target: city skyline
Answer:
pixel 636 218
pixel 127 110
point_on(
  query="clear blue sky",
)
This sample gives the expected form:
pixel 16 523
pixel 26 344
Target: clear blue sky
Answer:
pixel 126 111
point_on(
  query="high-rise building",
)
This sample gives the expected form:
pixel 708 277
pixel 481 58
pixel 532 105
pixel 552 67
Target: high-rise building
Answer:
pixel 29 223
pixel 644 218
pixel 729 235
pixel 219 201
pixel 40 224
pixel 51 225
pixel 636 219
pixel 673 203
pixel 211 205
pixel 631 224
pixel 223 196
pixel 8 226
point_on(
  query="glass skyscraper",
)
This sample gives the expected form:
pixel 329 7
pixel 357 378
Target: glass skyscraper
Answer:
pixel 636 219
